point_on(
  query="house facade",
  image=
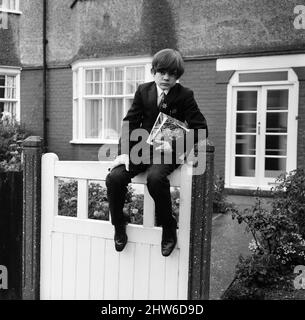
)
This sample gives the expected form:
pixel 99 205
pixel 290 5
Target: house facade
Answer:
pixel 69 69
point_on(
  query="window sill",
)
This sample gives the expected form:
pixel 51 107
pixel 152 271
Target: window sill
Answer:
pixel 93 141
pixel 11 11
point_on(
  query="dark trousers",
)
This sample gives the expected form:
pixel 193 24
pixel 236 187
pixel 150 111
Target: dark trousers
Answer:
pixel 158 186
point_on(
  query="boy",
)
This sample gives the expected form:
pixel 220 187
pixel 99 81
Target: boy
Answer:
pixel 165 94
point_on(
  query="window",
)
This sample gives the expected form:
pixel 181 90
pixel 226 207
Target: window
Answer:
pixel 10 92
pixel 262 109
pixel 9 6
pixel 102 93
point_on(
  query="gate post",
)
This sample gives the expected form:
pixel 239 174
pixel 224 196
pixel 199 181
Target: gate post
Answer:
pixel 201 227
pixel 32 151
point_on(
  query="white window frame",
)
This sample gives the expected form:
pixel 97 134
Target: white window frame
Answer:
pixel 265 65
pixel 6 7
pixel 79 68
pixel 13 71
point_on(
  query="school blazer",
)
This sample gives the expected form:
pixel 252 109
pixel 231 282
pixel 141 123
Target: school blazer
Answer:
pixel 144 111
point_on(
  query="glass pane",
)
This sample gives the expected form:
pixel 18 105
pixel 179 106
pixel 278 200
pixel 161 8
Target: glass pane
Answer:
pixel 277 99
pixel 119 88
pixel 10 107
pixel 244 166
pixel 246 100
pixel 274 167
pixel 130 73
pixel 98 88
pixel 113 118
pixel 2 90
pixel 109 74
pixel 140 73
pixel 89 75
pixel 119 73
pixel 263 76
pixel 130 87
pixel 1 108
pixel 98 75
pixel 245 144
pixel 2 81
pixel 276 122
pixel 89 88
pixel 276 145
pixel 246 122
pixel 93 126
pixel 109 88
pixel 10 81
pixel 12 4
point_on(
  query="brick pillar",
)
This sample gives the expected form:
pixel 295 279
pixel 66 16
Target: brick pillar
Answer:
pixel 32 152
pixel 201 227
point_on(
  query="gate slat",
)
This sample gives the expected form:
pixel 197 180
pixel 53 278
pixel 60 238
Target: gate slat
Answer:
pixel 69 262
pixel 157 273
pixel 142 266
pixel 97 270
pixel 82 268
pixel 112 260
pixel 171 276
pixel 126 273
pixel 56 266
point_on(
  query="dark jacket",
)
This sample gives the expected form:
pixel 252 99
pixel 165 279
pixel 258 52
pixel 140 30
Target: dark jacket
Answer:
pixel 144 111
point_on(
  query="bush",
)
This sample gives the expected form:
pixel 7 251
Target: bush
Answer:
pixel 278 243
pixel 219 204
pixel 98 207
pixel 290 197
pixel 11 137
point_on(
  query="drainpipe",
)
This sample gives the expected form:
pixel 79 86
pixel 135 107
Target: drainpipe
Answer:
pixel 44 81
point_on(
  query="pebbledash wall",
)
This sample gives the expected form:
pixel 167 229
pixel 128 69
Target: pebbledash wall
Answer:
pixel 202 30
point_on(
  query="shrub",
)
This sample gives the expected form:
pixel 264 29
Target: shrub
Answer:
pixel 11 137
pixel 98 207
pixel 219 204
pixel 290 197
pixel 278 243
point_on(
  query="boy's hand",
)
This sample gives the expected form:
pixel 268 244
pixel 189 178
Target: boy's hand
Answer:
pixel 164 146
pixel 121 159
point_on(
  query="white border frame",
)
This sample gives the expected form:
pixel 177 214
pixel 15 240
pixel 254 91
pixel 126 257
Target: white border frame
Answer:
pixel 14 71
pixel 262 64
pixel 78 69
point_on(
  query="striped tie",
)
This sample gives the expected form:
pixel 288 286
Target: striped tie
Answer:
pixel 162 104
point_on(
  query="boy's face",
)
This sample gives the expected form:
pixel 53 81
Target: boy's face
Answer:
pixel 165 80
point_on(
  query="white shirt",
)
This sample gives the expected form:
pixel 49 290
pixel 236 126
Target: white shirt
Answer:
pixel 159 93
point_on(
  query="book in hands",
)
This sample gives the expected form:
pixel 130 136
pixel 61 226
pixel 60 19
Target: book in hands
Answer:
pixel 166 128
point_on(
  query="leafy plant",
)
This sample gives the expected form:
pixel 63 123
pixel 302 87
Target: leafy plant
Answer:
pixel 11 136
pixel 98 206
pixel 278 243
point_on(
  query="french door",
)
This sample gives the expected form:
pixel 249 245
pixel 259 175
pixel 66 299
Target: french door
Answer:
pixel 263 140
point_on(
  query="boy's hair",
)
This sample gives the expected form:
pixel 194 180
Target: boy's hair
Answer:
pixel 168 60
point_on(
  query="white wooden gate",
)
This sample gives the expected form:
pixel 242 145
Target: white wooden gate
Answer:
pixel 78 258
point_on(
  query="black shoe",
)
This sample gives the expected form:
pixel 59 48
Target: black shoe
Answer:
pixel 169 239
pixel 120 237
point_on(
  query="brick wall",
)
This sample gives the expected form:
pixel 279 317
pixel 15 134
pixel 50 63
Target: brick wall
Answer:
pixel 200 76
pixel 31 101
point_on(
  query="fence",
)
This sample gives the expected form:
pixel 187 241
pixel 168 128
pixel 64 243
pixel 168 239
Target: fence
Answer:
pixel 11 231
